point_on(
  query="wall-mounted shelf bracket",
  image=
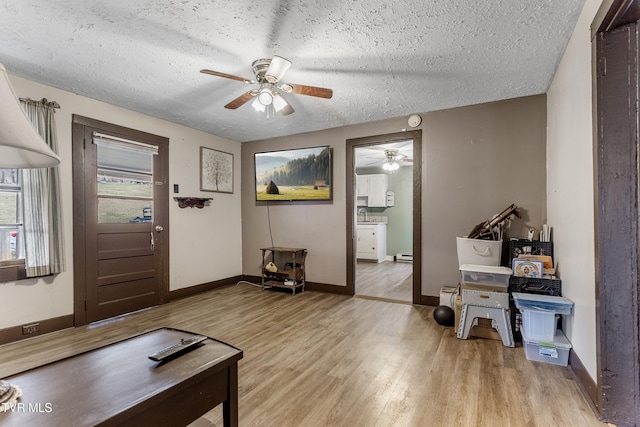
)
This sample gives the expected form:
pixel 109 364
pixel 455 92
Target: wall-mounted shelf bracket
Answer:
pixel 192 202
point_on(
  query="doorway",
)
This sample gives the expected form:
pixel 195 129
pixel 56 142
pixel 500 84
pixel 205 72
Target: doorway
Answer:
pixel 392 273
pixel 120 220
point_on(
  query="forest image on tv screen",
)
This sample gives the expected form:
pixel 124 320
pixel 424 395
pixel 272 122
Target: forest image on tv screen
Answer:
pixel 300 174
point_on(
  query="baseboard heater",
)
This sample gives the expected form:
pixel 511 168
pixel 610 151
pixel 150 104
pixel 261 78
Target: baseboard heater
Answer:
pixel 403 257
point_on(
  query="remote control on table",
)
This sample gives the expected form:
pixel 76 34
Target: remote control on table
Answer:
pixel 174 350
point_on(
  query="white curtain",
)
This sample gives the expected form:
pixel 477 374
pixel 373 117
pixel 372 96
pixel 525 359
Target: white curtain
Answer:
pixel 42 220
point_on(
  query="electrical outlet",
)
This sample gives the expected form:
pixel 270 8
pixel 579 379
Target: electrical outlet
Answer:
pixel 30 329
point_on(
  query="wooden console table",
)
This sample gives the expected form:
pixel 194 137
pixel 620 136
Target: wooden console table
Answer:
pixel 118 385
pixel 290 275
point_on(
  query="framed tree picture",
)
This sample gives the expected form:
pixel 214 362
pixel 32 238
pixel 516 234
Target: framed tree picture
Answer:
pixel 216 171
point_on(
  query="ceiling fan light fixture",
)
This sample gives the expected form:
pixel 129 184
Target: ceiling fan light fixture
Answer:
pixel 279 102
pixel 277 68
pixel 286 87
pixel 270 111
pixel 391 166
pixel 265 96
pixel 268 73
pixel 258 106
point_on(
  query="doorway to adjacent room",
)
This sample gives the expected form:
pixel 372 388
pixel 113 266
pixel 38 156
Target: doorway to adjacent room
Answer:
pixel 384 223
pixel 383 242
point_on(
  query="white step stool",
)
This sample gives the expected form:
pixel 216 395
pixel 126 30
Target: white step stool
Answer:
pixel 499 321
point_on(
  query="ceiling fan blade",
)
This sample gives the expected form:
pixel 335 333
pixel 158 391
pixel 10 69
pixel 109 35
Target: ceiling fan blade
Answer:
pixel 320 92
pixel 227 76
pixel 277 68
pixel 241 100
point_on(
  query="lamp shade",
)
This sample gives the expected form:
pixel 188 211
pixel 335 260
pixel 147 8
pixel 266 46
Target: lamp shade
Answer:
pixel 20 145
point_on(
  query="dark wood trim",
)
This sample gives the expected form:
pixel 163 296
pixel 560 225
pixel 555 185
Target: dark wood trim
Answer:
pixel 417 217
pixel 596 207
pixel 79 224
pixel 351 228
pixel 430 300
pixel 327 289
pixel 14 333
pixel 587 385
pixel 118 130
pixel 352 144
pixel 616 222
pixel 196 289
pixel 613 14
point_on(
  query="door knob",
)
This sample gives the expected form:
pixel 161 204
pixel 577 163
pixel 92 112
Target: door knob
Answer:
pixel 159 228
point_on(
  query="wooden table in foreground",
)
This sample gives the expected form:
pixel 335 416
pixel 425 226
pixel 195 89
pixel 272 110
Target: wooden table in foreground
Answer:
pixel 119 385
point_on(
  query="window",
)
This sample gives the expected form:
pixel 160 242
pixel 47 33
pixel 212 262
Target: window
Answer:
pixel 30 225
pixel 11 247
pixel 125 179
pixel 125 185
pixel 11 229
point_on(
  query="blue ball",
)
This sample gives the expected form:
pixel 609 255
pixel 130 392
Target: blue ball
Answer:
pixel 444 315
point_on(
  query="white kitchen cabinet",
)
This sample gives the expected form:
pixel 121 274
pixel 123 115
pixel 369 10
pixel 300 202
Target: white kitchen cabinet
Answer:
pixel 371 241
pixel 362 185
pixel 378 185
pixel 374 188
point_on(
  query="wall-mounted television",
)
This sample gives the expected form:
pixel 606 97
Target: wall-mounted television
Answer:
pixel 301 174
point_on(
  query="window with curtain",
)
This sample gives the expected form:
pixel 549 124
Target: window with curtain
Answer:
pixel 30 213
pixel 10 216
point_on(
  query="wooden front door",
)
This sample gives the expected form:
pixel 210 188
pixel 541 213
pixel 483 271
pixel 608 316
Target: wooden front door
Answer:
pixel 120 219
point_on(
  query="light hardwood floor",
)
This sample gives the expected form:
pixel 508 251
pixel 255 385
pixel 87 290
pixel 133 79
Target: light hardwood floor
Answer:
pixel 385 280
pixel 317 359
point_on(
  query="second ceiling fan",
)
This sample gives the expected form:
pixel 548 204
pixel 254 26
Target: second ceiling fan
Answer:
pixel 268 97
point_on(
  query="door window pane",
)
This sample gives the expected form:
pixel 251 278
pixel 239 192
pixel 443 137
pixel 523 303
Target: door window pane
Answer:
pixel 125 185
pixel 118 211
pixel 133 185
pixel 124 160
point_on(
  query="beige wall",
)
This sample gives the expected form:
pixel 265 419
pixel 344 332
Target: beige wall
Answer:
pixel 477 160
pixel 570 187
pixel 470 172
pixel 205 244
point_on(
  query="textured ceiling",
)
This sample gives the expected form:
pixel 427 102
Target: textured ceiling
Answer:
pixel 382 59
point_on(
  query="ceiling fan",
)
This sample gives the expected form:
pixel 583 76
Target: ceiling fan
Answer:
pixel 268 96
pixel 398 153
pixel 391 165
